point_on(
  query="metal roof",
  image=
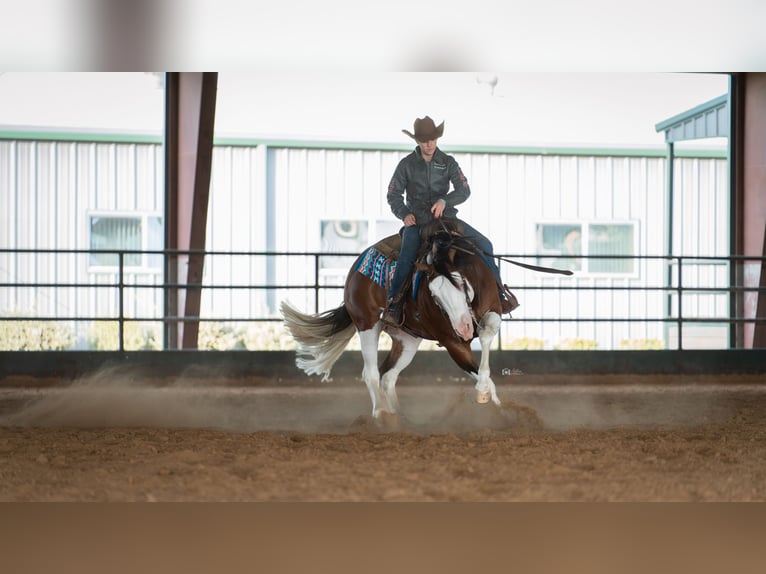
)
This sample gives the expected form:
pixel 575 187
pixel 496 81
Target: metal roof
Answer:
pixel 708 120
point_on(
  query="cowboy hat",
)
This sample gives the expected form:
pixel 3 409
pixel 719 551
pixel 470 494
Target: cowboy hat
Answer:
pixel 425 130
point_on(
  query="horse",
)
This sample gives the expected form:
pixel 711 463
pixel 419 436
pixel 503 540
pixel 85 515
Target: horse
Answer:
pixel 454 300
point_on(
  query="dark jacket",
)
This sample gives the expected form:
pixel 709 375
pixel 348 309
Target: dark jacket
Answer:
pixel 425 182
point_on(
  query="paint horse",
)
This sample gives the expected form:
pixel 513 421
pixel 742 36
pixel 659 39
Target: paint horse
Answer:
pixel 454 300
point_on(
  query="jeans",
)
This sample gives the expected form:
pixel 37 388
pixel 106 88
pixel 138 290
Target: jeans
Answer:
pixel 409 251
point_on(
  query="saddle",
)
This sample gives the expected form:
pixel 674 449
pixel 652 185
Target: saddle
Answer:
pixel 378 260
pixel 391 246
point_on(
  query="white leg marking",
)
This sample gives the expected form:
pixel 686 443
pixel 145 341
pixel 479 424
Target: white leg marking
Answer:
pixel 370 372
pixel 485 387
pixel 388 381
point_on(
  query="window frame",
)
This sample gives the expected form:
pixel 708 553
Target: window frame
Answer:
pixel 375 226
pixel 143 217
pixel 544 258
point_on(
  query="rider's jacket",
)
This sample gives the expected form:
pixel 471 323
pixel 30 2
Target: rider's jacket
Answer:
pixel 417 184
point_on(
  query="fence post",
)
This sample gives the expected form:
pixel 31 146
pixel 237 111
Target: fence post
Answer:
pixel 316 282
pixel 679 319
pixel 120 302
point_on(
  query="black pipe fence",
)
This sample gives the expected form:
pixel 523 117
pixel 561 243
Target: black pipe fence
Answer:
pixel 729 284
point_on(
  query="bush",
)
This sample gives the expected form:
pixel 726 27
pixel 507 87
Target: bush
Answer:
pixel 525 343
pixel 105 336
pixel 577 345
pixel 267 337
pixel 642 344
pixel 31 335
pixel 219 337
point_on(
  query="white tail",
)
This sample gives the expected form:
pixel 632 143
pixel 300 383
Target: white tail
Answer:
pixel 321 338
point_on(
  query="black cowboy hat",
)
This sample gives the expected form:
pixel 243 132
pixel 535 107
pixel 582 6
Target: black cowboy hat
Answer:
pixel 425 130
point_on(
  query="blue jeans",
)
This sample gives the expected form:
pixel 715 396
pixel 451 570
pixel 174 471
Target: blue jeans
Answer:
pixel 409 251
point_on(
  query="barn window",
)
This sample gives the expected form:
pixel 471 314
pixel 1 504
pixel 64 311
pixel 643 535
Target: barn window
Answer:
pixel 342 236
pixel 133 233
pixel 569 245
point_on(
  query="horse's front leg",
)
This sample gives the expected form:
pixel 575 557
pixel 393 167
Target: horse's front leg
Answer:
pixel 461 353
pixel 485 387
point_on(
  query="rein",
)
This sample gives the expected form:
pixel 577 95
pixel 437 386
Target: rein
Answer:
pixel 519 263
pixel 477 251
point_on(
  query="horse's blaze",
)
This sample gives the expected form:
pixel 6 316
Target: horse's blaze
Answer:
pixel 482 397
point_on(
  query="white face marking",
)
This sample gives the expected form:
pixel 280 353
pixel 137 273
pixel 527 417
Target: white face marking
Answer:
pixel 454 303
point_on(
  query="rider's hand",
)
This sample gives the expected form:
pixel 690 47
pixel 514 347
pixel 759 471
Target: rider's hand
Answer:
pixel 409 220
pixel 438 208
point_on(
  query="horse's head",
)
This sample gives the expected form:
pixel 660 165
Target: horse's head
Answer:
pixel 453 294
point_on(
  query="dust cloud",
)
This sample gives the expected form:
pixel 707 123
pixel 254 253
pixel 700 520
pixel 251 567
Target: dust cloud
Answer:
pixel 117 397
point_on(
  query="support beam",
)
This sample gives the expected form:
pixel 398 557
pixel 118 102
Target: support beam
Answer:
pixel 752 162
pixel 189 130
pixel 736 226
pixel 670 163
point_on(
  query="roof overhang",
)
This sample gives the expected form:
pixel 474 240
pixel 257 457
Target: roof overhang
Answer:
pixel 708 120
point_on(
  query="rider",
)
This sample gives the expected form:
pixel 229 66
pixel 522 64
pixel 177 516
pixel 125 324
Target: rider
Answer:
pixel 425 176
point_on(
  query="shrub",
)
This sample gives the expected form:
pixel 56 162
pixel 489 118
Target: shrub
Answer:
pixel 577 344
pixel 525 343
pixel 219 337
pixel 105 336
pixel 31 335
pixel 267 337
pixel 642 344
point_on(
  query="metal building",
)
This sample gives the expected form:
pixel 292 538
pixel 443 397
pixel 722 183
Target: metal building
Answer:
pixel 555 207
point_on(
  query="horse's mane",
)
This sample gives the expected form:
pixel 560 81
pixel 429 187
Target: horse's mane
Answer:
pixel 440 239
pixel 442 258
pixel 450 250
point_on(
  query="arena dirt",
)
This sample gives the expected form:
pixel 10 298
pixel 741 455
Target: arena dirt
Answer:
pixel 110 438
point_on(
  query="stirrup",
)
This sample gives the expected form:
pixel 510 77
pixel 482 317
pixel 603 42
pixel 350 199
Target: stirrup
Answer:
pixel 508 301
pixel 393 313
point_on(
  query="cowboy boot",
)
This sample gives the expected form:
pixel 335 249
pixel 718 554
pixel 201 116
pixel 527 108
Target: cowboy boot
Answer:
pixel 393 313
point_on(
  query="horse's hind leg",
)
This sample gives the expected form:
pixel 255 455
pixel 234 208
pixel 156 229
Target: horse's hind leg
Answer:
pixel 370 372
pixel 403 349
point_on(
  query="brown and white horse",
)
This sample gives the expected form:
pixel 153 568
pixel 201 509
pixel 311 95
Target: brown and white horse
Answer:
pixel 456 301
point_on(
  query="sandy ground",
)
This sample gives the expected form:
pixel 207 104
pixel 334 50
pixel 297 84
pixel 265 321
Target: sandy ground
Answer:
pixel 111 438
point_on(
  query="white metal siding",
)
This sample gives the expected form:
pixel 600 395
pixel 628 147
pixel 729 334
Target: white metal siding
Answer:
pixel 48 189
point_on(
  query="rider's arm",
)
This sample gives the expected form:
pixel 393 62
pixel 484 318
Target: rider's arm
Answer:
pixel 461 190
pixel 395 195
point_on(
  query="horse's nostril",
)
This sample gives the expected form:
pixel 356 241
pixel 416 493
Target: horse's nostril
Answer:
pixel 465 329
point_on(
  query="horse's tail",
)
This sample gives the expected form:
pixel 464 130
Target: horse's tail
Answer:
pixel 321 338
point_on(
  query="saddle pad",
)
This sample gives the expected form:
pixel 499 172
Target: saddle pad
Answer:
pixel 376 266
pixel 379 261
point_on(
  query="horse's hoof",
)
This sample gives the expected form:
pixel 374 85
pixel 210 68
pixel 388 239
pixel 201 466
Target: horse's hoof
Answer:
pixel 387 421
pixel 483 397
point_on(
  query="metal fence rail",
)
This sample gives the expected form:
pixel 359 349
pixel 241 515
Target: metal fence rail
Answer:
pixel 675 289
